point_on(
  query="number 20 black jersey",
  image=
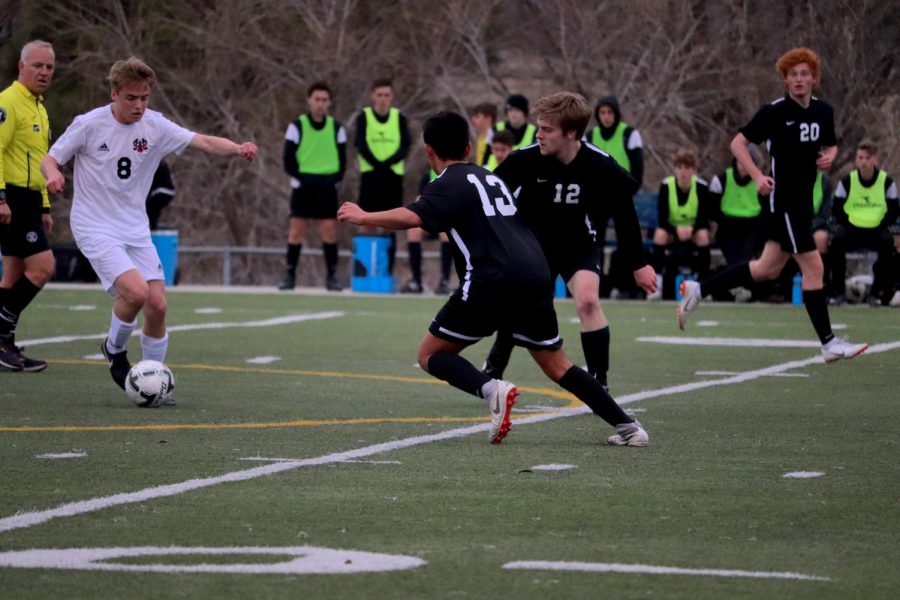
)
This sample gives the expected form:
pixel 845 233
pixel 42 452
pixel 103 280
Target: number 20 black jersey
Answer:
pixel 494 250
pixel 794 135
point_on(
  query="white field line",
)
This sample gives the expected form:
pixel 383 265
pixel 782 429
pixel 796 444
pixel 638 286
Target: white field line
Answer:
pixel 64 339
pixel 740 342
pixel 71 509
pixel 654 570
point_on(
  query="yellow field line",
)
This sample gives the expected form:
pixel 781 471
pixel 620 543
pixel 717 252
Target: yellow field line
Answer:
pixel 573 402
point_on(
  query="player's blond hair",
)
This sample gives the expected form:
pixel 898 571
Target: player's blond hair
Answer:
pixel 571 111
pixel 792 58
pixel 130 70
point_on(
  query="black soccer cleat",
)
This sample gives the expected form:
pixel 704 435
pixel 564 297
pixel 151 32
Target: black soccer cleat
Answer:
pixel 118 364
pixel 10 356
pixel 31 365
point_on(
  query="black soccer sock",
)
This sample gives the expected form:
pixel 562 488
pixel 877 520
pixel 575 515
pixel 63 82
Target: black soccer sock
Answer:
pixel 658 258
pixel 588 390
pixel 392 252
pixel 458 372
pixel 817 309
pixel 415 260
pixel 15 300
pixel 701 262
pixel 498 357
pixel 446 260
pixel 293 256
pixel 730 278
pixel 330 252
pixel 595 345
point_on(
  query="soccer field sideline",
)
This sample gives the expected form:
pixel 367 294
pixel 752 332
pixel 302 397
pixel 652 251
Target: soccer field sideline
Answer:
pixel 29 519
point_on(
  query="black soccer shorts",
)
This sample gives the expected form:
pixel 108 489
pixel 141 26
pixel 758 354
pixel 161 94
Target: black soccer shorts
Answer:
pixel 530 318
pixel 24 236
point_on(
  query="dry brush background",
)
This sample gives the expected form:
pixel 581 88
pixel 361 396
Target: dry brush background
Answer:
pixel 686 74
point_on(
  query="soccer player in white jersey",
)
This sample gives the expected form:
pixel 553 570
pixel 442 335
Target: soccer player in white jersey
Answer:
pixel 117 148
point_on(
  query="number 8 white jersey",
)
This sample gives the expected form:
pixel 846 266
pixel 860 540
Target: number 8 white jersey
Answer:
pixel 114 167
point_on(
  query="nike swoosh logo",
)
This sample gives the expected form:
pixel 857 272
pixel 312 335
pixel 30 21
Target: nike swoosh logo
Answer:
pixel 789 123
pixel 541 180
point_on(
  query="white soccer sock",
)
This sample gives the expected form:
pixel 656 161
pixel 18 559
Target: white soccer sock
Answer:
pixel 154 348
pixel 119 332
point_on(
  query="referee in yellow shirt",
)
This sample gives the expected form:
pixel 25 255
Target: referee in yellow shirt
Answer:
pixel 25 218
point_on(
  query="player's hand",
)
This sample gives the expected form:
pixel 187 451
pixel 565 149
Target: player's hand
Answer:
pixel 645 278
pixel 47 221
pixel 350 212
pixel 247 150
pixel 764 184
pixel 823 163
pixel 56 182
pixel 5 214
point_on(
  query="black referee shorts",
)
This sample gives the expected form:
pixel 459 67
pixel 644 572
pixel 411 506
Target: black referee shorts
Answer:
pixel 24 236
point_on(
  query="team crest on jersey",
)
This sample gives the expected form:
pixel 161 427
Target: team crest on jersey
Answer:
pixel 140 145
pixel 2 116
pixel 36 128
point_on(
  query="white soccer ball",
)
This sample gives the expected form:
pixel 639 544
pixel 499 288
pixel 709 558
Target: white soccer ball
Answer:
pixel 149 383
pixel 858 288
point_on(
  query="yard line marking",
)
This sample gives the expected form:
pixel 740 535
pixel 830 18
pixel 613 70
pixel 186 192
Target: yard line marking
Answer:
pixel 64 339
pixel 739 342
pixel 803 474
pixel 56 455
pixel 654 570
pixel 262 360
pixel 71 509
pixel 735 373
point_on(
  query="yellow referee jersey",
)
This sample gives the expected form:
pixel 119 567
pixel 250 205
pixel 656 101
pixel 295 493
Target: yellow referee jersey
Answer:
pixel 24 139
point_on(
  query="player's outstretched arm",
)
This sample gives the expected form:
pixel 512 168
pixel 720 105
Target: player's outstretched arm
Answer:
pixel 50 171
pixel 396 218
pixel 222 147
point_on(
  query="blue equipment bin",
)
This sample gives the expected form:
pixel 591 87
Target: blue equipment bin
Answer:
pixel 370 264
pixel 166 242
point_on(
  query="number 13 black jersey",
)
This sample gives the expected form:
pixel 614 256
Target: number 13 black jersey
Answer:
pixel 495 252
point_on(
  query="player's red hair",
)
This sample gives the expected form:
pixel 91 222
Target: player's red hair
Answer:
pixel 792 58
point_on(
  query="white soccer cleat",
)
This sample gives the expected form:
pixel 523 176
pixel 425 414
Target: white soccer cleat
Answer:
pixel 500 404
pixel 630 434
pixel 690 298
pixel 839 348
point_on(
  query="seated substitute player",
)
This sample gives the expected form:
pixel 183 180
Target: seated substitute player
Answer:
pixel 117 148
pixel 683 223
pixel 799 130
pixel 865 207
pixel 564 186
pixel 497 258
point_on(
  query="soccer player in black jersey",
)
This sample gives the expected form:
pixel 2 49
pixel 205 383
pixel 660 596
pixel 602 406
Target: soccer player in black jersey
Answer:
pixel 498 260
pixel 564 187
pixel 799 130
